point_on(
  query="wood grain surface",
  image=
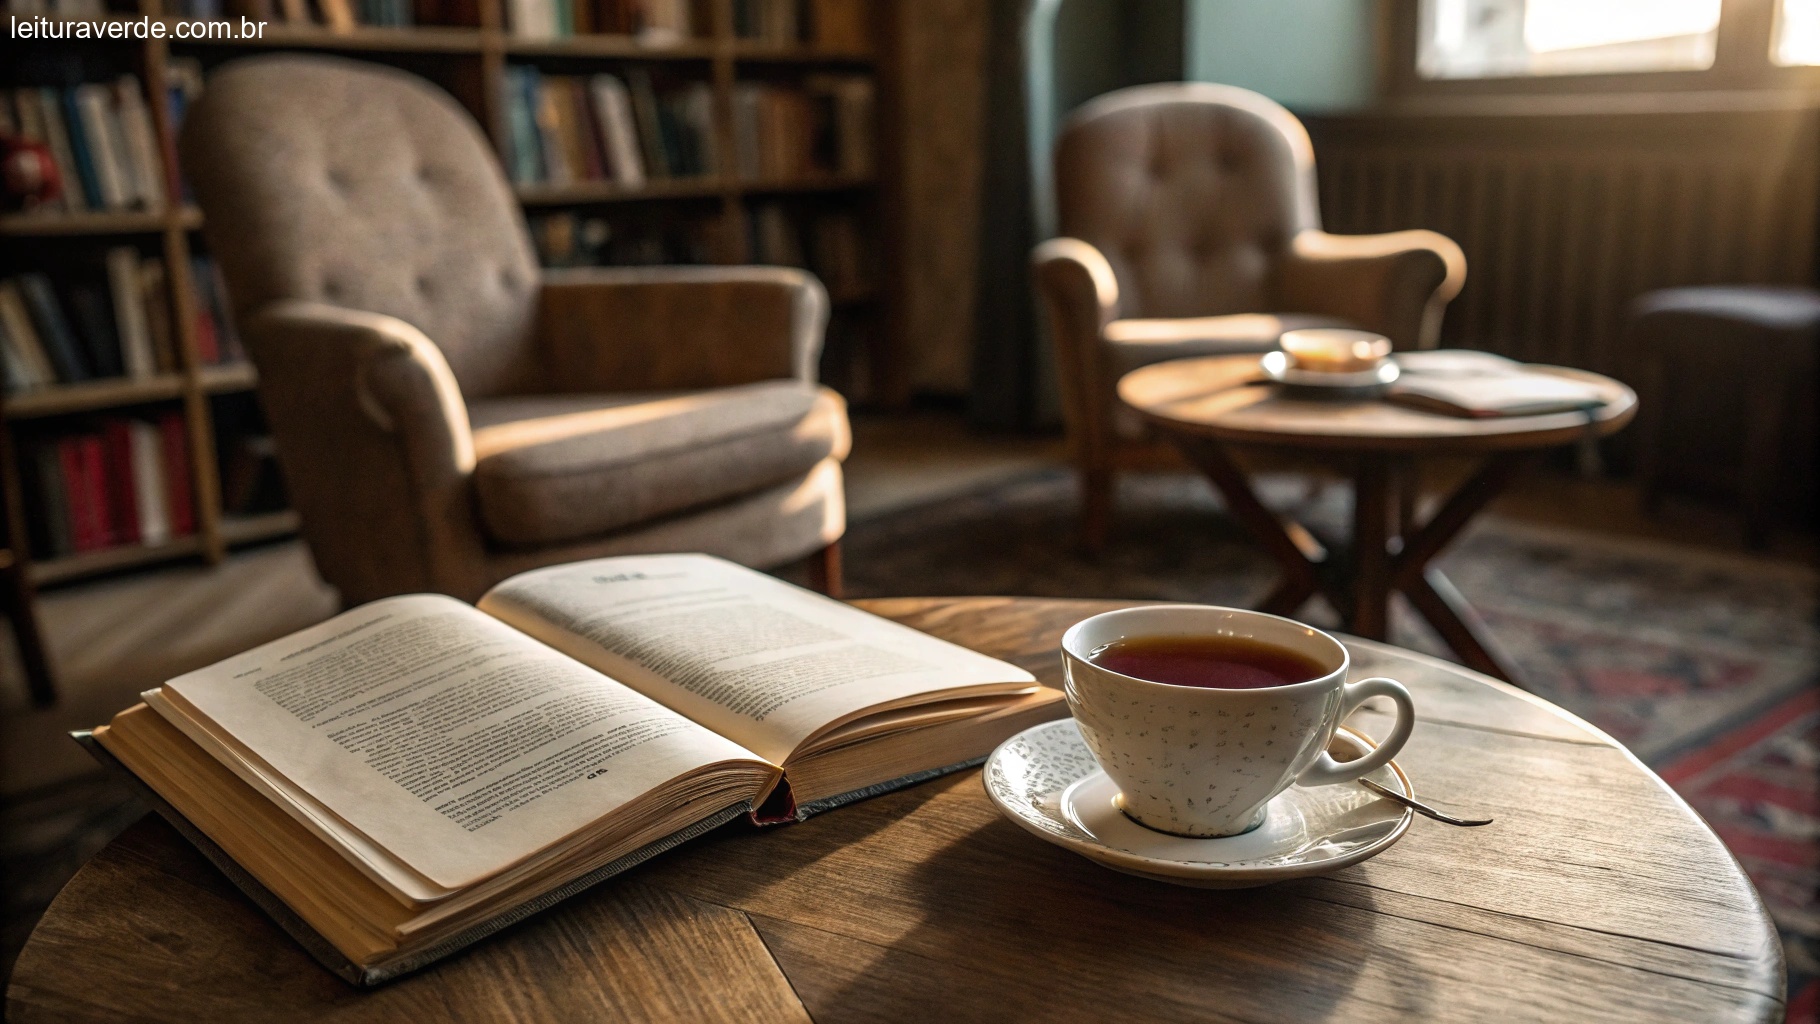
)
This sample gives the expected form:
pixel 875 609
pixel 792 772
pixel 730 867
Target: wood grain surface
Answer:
pixel 1223 397
pixel 1596 895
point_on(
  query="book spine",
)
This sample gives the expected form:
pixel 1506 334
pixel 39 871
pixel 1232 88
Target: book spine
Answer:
pixel 99 131
pixel 153 290
pixel 549 134
pixel 150 493
pixel 91 308
pixel 20 329
pixel 208 337
pixel 60 110
pixel 130 315
pixel 122 485
pixel 146 156
pixel 650 125
pixel 177 485
pixel 74 475
pixel 53 498
pixel 53 330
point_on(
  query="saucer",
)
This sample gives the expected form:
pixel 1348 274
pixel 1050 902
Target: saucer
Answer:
pixel 1045 780
pixel 1311 384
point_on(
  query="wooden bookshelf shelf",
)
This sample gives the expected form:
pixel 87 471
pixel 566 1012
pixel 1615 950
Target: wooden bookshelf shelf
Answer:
pixel 222 380
pixel 91 563
pixel 584 192
pixel 236 530
pixel 817 183
pixel 132 222
pixel 428 39
pixel 91 396
pixel 624 47
pixel 764 53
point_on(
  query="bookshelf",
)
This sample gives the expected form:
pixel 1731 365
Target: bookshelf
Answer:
pixel 471 61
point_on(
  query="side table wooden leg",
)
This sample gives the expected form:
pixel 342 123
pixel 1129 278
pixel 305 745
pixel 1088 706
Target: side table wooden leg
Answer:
pixel 1300 580
pixel 1371 498
pixel 1435 596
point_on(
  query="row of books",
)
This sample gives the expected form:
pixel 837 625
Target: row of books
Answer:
pixel 566 239
pixel 829 243
pixel 781 132
pixel 62 8
pixel 830 24
pixel 564 129
pixel 125 480
pixel 336 15
pixel 115 322
pixel 101 139
pixel 653 22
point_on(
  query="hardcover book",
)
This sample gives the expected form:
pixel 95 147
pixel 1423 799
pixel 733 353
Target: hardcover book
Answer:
pixel 416 773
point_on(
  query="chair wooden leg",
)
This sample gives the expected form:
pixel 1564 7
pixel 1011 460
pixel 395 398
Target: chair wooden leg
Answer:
pixel 1096 508
pixel 825 570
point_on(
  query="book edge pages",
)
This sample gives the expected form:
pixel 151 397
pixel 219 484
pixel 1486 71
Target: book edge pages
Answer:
pixel 331 958
pixel 829 803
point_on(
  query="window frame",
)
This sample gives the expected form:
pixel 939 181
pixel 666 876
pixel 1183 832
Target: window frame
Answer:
pixel 1741 62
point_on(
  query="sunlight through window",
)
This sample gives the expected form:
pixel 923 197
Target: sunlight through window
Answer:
pixel 1797 32
pixel 1506 38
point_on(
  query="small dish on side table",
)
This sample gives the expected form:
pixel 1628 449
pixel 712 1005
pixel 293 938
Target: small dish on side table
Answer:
pixel 1324 385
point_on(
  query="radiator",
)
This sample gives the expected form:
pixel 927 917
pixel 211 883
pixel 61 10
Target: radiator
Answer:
pixel 1566 217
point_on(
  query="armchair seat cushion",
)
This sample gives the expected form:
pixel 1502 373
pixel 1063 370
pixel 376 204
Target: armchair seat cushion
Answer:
pixel 558 468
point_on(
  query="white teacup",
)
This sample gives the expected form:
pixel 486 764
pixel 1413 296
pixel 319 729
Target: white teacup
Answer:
pixel 1198 761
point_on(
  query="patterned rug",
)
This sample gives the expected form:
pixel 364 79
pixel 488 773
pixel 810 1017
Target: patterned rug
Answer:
pixel 1703 664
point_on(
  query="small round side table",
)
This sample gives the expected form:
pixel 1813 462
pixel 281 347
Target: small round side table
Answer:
pixel 1206 405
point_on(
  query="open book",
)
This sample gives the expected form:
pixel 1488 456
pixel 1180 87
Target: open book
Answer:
pixel 412 774
pixel 1461 382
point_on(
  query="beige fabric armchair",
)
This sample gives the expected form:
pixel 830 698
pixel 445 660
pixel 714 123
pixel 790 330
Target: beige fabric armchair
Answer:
pixel 447 414
pixel 1190 226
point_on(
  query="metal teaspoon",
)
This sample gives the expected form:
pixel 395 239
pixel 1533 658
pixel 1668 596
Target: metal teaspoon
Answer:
pixel 1419 807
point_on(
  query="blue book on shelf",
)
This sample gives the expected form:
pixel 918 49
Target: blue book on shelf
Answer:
pixel 85 161
pixel 53 330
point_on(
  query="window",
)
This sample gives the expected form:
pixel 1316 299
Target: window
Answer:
pixel 1515 38
pixel 1797 38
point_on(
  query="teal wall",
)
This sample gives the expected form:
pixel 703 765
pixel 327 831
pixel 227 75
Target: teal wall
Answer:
pixel 1313 56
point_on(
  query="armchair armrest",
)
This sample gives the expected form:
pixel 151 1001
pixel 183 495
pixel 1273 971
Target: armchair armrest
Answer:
pixel 676 328
pixel 1397 284
pixel 1079 295
pixel 373 434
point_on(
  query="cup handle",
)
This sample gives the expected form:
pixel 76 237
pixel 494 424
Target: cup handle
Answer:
pixel 1326 771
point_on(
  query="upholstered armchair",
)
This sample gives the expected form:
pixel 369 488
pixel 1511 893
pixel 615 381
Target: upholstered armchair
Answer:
pixel 446 414
pixel 1190 226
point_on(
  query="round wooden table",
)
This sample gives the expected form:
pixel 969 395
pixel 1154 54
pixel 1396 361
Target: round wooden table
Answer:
pixel 1596 895
pixel 1204 405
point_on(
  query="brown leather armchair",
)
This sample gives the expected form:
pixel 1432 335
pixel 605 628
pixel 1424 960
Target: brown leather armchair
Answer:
pixel 1190 226
pixel 446 414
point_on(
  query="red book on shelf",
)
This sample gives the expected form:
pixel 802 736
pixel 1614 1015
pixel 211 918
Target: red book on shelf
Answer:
pixel 177 488
pixel 88 495
pixel 75 494
pixel 208 340
pixel 122 492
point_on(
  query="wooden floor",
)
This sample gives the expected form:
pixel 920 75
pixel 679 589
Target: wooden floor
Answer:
pixel 112 638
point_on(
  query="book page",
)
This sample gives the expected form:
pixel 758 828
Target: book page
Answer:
pixel 753 658
pixel 455 743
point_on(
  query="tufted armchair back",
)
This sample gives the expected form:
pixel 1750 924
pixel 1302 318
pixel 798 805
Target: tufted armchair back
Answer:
pixel 359 186
pixel 1191 190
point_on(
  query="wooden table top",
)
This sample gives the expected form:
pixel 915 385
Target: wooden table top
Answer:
pixel 1221 397
pixel 1596 895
